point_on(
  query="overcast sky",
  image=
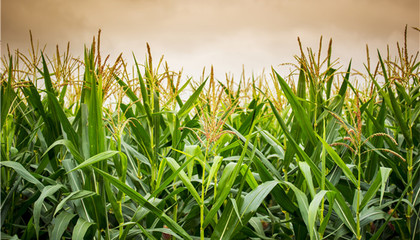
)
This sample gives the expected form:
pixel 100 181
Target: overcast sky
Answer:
pixel 194 34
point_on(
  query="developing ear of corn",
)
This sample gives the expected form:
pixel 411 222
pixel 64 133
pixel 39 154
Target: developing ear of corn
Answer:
pixel 92 150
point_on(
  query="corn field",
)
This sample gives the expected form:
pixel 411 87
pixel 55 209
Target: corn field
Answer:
pixel 94 149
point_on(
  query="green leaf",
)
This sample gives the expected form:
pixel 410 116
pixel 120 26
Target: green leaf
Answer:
pixel 193 151
pixel 143 89
pixel 371 215
pixel 250 179
pixel 61 116
pixel 415 115
pixel 97 158
pixel 116 207
pixel 81 228
pixel 169 179
pixel 302 201
pixel 385 172
pixel 130 94
pixel 217 161
pixel 162 166
pixel 236 209
pixel 253 200
pixel 60 224
pixel 306 170
pixel 312 213
pixel 187 182
pixel 73 196
pixel 69 145
pixel 300 115
pixel 337 159
pixel 7 94
pixel 48 191
pixel 23 173
pixel 189 104
pixel 267 172
pixel 379 181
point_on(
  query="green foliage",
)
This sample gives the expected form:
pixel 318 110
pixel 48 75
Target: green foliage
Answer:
pixel 107 155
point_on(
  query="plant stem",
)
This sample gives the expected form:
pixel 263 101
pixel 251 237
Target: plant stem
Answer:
pixel 359 170
pixel 410 190
pixel 321 217
pixel 202 194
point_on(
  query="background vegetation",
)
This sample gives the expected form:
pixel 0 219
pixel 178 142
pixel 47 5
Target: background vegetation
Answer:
pixel 93 149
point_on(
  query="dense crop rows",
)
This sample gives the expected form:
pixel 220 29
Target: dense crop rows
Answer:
pixel 91 150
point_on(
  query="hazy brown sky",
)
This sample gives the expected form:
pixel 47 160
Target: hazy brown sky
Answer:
pixel 193 34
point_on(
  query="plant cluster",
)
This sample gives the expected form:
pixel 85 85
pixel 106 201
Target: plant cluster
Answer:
pixel 92 151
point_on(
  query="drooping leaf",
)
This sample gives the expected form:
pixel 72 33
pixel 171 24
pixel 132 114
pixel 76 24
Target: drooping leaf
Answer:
pixel 61 223
pixel 48 191
pixel 23 173
pixel 81 228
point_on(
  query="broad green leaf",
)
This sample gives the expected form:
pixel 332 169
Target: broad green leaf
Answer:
pixel 61 116
pixel 171 178
pixel 97 158
pixel 81 228
pixel 300 115
pixel 379 181
pixel 337 159
pixel 60 224
pixel 187 182
pixel 23 173
pixel 73 196
pixel 302 201
pixel 48 191
pixel 189 104
pixel 370 215
pixel 306 170
pixel 312 213
pixel 250 179
pixel 193 151
pixel 72 149
pixel 217 161
pixel 385 172
pixel 253 200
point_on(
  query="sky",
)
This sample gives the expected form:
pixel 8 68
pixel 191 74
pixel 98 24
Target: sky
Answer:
pixel 229 34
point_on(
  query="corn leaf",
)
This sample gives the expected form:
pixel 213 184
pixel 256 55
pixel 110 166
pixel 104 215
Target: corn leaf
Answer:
pixel 81 228
pixel 61 223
